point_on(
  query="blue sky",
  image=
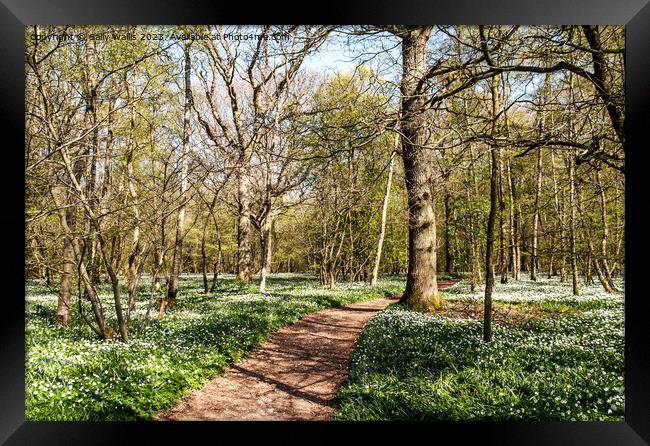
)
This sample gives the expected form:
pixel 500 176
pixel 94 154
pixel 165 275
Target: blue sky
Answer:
pixel 338 54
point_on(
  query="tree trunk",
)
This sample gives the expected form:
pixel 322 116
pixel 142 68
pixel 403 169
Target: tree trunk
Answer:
pixel 475 275
pixel 160 257
pixel 204 260
pixel 177 262
pixel 102 330
pixel 133 276
pixel 593 259
pixel 559 222
pixel 489 234
pixel 603 245
pixel 217 264
pixel 572 225
pixel 244 216
pixel 503 256
pixel 384 209
pixel 266 240
pixel 538 192
pixel 449 255
pixel 91 147
pixel 514 226
pixel 421 284
pixel 65 299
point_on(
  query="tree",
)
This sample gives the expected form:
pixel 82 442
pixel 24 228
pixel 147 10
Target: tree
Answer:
pixel 384 209
pixel 421 284
pixel 172 287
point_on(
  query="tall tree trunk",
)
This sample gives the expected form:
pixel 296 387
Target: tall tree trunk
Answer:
pixel 563 247
pixel 572 224
pixel 177 262
pixel 559 222
pixel 551 249
pixel 244 219
pixel 514 226
pixel 101 329
pixel 266 240
pixel 603 245
pixel 474 250
pixel 384 210
pixel 90 123
pixel 88 147
pixel 421 284
pixel 572 199
pixel 538 192
pixel 65 299
pixel 160 256
pixel 588 263
pixel 95 227
pixel 521 240
pixel 449 254
pixel 133 276
pixel 592 258
pixel 489 233
pixel 217 264
pixel 503 256
pixel 204 259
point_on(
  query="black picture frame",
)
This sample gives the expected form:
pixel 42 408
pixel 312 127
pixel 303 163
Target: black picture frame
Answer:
pixel 15 14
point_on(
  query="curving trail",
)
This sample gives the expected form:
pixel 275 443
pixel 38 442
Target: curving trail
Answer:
pixel 294 375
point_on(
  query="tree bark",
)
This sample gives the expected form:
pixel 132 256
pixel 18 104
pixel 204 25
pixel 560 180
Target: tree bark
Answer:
pixel 102 329
pixel 65 295
pixel 514 222
pixel 572 227
pixel 177 262
pixel 217 264
pixel 137 248
pixel 384 209
pixel 474 251
pixel 266 240
pixel 603 245
pixel 489 233
pixel 160 256
pixel 503 256
pixel 592 258
pixel 244 254
pixel 449 254
pixel 559 222
pixel 204 258
pixel 421 284
pixel 538 192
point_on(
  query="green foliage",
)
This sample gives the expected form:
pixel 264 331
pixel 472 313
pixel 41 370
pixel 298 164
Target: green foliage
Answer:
pixel 410 365
pixel 70 375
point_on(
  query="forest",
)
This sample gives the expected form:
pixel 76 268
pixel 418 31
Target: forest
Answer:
pixel 190 191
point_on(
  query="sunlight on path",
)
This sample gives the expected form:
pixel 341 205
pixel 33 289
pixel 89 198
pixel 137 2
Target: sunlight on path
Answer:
pixel 294 375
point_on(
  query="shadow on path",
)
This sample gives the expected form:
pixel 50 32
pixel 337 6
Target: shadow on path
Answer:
pixel 294 375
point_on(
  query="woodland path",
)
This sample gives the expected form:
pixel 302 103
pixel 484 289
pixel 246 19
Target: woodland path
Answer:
pixel 294 375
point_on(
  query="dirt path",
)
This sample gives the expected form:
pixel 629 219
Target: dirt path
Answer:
pixel 294 375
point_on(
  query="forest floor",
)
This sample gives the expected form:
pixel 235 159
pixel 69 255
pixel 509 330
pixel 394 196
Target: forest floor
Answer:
pixel 70 374
pixel 294 375
pixel 554 356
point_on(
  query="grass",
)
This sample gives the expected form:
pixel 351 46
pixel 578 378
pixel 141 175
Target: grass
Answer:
pixel 72 375
pixel 414 366
pixel 408 365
